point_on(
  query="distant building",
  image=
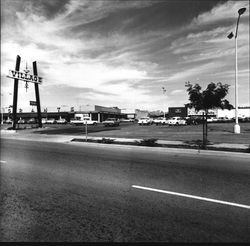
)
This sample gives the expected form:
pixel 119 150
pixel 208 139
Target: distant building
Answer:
pixel 243 112
pixel 156 113
pixel 193 112
pixel 95 112
pixel 141 113
pixel 130 113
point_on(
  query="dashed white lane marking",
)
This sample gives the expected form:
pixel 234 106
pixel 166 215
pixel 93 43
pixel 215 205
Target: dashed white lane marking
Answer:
pixel 191 196
pixel 2 161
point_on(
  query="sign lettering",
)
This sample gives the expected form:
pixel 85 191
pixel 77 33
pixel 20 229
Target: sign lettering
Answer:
pixel 24 76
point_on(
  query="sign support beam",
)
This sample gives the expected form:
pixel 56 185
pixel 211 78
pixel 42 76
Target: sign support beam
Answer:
pixel 18 61
pixel 39 116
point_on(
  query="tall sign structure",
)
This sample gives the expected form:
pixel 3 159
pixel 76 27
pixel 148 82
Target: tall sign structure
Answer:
pixel 28 78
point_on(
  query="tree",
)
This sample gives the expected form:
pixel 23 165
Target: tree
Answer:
pixel 212 97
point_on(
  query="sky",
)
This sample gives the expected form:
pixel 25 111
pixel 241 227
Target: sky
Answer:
pixel 122 53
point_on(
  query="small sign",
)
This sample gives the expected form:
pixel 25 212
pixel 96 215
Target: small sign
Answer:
pixel 24 76
pixel 33 103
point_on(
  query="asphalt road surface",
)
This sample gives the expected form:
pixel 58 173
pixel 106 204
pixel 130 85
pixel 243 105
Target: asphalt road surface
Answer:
pixel 95 192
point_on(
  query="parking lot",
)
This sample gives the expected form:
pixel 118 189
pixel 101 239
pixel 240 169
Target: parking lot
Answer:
pixel 217 132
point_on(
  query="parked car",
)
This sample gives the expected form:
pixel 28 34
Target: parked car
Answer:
pixel 144 121
pixel 160 121
pixel 212 119
pixel 32 121
pixel 223 119
pixel 127 120
pixel 192 121
pixel 44 120
pixel 111 122
pixel 209 120
pixel 8 121
pixel 61 121
pixel 246 119
pixel 51 121
pixel 83 120
pixel 21 121
pixel 176 121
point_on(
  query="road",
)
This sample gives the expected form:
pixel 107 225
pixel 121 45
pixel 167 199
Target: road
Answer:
pixel 95 193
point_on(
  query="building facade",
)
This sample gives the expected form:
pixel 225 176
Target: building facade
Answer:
pixel 95 112
pixel 141 113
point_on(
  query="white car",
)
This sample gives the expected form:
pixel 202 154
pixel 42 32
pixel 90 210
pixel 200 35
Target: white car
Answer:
pixel 61 121
pixel 144 121
pixel 160 121
pixel 8 121
pixel 176 121
pixel 127 120
pixel 51 121
pixel 84 120
pixel 211 119
pixel 44 120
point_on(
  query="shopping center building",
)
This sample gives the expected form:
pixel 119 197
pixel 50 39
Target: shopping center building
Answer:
pixel 95 112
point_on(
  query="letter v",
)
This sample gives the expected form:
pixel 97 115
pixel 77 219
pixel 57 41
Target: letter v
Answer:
pixel 13 73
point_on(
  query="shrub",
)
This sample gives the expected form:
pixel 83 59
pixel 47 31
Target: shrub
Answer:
pixel 148 142
pixel 106 140
pixel 248 149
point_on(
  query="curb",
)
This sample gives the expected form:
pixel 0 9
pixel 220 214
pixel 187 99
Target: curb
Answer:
pixel 166 145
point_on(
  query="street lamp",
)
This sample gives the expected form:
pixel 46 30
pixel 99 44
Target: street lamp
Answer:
pixel 231 35
pixel 164 92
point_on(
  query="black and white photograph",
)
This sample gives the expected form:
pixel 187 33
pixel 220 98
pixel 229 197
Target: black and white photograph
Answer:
pixel 125 121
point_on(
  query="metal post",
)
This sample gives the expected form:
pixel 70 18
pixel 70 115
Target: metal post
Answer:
pixel 39 117
pixel 236 126
pixel 2 116
pixel 203 129
pixel 18 61
pixel 86 131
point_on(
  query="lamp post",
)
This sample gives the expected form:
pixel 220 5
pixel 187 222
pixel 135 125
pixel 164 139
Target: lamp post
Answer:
pixel 231 35
pixel 1 111
pixel 164 92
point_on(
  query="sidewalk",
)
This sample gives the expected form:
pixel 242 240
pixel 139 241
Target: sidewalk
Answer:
pixel 10 134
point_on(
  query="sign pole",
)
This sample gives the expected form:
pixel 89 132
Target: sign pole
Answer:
pixel 18 61
pixel 37 96
pixel 86 131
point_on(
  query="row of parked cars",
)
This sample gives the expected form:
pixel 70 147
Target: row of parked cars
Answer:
pixel 192 120
pixel 74 121
pixel 226 119
pixel 162 121
pixel 34 121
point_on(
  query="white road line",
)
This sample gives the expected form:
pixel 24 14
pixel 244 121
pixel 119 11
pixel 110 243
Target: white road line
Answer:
pixel 2 161
pixel 194 197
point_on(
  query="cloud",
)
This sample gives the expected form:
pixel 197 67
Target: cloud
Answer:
pixel 187 74
pixel 114 51
pixel 176 92
pixel 221 12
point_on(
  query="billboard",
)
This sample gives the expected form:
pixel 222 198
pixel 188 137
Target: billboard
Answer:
pixel 177 111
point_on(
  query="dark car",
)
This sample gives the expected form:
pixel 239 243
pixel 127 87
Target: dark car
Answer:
pixel 111 122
